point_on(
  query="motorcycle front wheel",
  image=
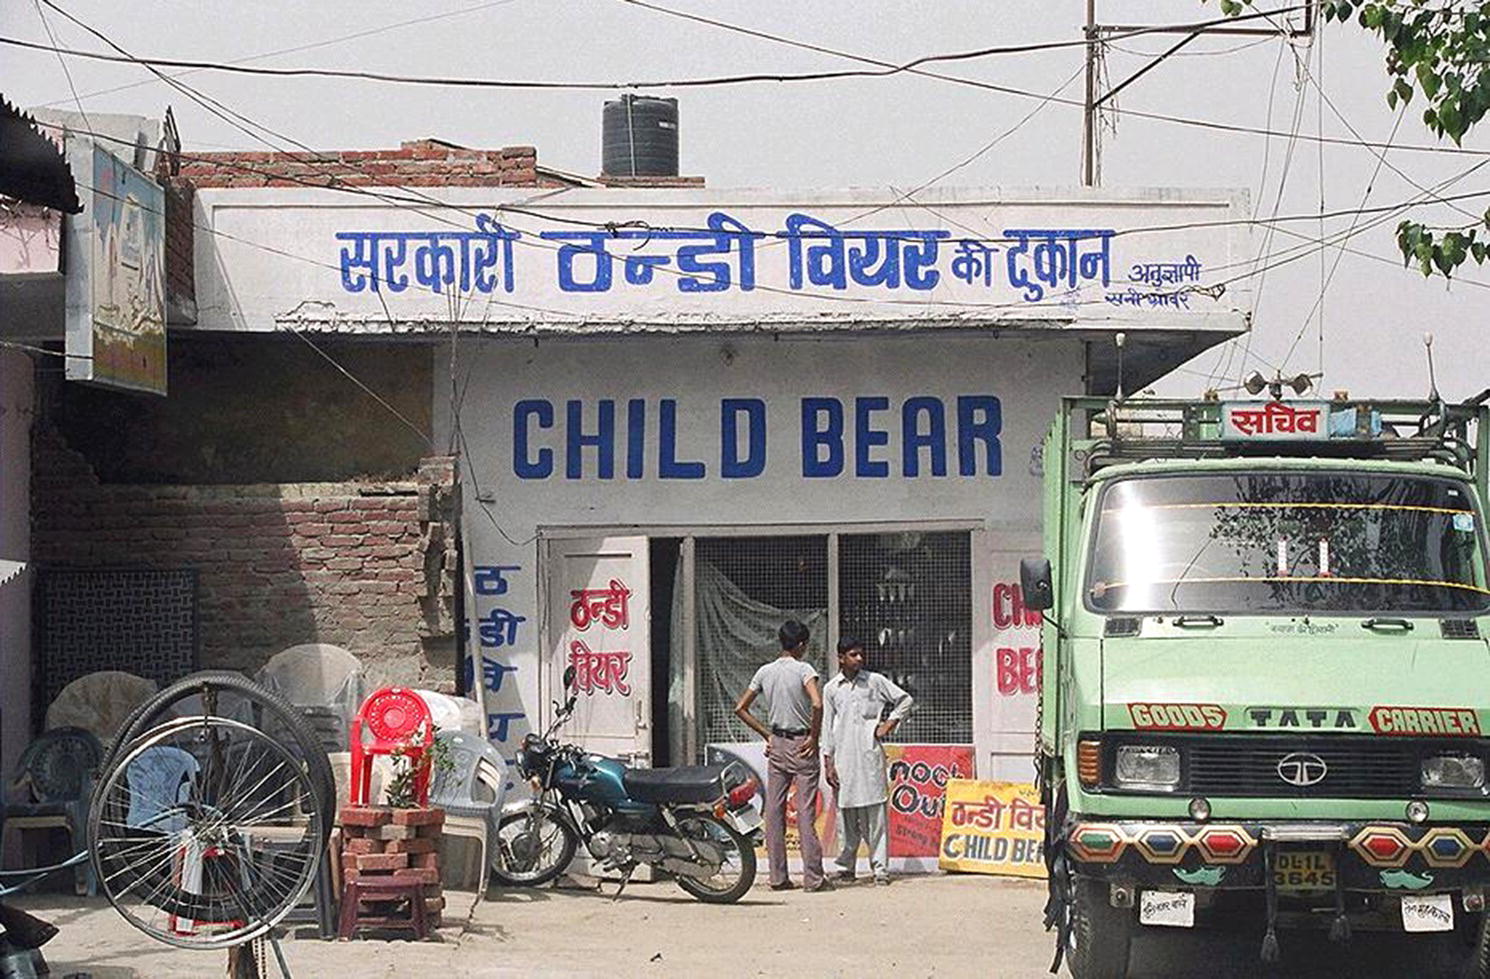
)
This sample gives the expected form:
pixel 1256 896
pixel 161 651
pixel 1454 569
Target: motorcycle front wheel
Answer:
pixel 736 872
pixel 532 847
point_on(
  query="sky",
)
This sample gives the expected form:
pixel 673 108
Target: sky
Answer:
pixel 1355 314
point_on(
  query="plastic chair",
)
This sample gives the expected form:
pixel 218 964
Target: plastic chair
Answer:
pixel 55 778
pixel 99 702
pixel 324 681
pixel 398 723
pixel 471 792
pixel 160 779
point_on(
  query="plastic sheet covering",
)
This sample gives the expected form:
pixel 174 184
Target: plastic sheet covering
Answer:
pixel 736 636
pixel 452 713
pixel 317 675
pixel 99 702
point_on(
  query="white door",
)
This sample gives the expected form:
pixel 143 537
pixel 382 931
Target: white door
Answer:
pixel 599 622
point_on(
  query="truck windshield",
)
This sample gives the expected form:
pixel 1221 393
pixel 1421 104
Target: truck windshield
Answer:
pixel 1286 542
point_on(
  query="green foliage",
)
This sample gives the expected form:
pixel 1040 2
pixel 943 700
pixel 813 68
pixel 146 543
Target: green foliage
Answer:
pixel 434 760
pixel 1441 50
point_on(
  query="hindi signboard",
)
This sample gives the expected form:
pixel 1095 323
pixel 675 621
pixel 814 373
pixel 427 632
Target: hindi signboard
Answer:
pixel 1274 421
pixel 591 260
pixel 116 301
pixel 993 828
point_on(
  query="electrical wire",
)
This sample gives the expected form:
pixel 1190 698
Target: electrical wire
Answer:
pixel 63 62
pixel 537 211
pixel 326 43
pixel 884 68
pixel 887 68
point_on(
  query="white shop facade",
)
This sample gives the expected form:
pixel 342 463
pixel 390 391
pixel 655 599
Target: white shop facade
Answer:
pixel 687 415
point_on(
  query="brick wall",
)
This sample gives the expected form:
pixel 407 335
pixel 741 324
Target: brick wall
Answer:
pixel 367 566
pixel 420 163
pixel 181 289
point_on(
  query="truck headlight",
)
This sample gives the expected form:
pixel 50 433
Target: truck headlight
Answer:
pixel 1147 766
pixel 1453 772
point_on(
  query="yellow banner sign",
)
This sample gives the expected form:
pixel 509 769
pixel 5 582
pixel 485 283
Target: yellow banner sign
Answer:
pixel 993 828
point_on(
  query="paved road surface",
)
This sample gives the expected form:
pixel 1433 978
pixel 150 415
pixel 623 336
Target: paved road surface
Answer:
pixel 942 926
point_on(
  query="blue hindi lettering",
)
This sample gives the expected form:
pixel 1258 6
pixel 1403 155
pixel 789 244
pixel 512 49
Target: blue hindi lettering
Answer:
pixel 863 437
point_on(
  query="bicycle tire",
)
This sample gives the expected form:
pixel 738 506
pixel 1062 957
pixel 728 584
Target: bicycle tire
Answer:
pixel 145 717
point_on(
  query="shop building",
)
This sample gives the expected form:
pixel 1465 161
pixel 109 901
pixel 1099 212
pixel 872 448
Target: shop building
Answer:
pixel 682 415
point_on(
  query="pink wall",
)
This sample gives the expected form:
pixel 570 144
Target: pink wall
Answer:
pixel 30 240
pixel 15 539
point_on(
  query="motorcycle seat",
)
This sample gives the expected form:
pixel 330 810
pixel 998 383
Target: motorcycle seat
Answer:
pixel 685 783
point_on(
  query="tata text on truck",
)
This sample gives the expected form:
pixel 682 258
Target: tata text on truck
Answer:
pixel 1270 690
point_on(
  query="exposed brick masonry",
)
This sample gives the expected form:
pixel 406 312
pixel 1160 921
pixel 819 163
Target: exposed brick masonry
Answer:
pixel 420 163
pixel 278 565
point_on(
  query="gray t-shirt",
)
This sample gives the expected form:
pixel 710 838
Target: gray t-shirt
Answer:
pixel 783 682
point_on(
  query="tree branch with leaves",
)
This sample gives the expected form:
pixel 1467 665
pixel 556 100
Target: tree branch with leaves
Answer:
pixel 1440 50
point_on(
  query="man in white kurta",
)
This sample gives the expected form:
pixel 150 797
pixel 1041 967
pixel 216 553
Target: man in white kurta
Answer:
pixel 854 725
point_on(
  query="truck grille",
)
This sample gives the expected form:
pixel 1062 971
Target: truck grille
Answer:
pixel 1246 765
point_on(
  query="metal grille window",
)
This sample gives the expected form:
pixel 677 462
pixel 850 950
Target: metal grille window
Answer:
pixel 745 587
pixel 907 596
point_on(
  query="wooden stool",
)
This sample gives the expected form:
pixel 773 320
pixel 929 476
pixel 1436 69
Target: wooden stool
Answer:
pixel 386 889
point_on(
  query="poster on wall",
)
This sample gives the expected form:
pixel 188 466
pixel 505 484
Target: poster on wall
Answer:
pixel 116 300
pixel 993 828
pixel 918 775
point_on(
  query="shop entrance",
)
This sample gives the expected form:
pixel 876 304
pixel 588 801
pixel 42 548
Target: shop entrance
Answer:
pixel 703 610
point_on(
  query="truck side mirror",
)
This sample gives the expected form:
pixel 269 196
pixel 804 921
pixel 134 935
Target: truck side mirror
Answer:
pixel 1034 582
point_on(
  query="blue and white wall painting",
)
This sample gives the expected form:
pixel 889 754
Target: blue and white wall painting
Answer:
pixel 606 260
pixel 694 432
pixel 1067 267
pixel 734 401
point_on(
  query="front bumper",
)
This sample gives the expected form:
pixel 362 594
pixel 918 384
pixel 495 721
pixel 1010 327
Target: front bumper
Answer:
pixel 1368 856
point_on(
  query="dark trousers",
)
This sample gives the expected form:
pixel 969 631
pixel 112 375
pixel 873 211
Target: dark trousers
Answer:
pixel 785 766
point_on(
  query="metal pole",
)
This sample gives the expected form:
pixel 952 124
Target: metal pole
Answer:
pixel 1089 112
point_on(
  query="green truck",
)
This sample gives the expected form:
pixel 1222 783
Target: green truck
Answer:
pixel 1266 691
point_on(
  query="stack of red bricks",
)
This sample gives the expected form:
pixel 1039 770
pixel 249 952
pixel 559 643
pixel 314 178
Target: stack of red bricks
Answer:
pixel 382 843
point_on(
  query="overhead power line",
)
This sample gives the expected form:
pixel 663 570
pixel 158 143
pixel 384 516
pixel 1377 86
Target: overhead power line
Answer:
pixel 884 69
pixel 536 210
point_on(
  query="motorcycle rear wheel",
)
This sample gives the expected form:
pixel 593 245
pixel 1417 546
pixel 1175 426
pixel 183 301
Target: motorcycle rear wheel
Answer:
pixel 735 876
pixel 532 847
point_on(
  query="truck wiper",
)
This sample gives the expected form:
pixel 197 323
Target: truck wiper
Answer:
pixel 1191 621
pixel 1401 625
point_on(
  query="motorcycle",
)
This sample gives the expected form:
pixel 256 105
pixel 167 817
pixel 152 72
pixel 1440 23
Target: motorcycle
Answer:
pixel 698 823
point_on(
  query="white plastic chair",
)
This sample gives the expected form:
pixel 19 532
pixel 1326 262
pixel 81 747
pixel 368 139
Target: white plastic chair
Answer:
pixel 99 702
pixel 471 793
pixel 324 681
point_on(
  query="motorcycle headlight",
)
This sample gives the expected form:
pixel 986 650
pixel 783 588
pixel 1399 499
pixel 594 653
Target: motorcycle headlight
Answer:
pixel 522 761
pixel 1147 766
pixel 1453 772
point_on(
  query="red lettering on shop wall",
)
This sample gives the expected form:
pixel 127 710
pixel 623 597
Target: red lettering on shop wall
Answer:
pixel 1008 607
pixel 1019 670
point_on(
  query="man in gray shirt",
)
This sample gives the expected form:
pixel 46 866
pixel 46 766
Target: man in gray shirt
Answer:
pixel 854 726
pixel 795 711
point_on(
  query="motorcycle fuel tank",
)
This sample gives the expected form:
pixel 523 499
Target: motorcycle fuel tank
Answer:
pixel 598 780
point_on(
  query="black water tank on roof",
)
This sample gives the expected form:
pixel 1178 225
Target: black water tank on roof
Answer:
pixel 640 137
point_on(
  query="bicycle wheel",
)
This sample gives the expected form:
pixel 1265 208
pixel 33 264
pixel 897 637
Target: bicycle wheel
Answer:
pixel 206 831
pixel 227 694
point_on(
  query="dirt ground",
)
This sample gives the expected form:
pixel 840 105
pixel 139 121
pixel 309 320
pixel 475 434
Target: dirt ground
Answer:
pixel 922 926
pixel 928 926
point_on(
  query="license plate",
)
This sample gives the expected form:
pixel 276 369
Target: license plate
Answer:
pixel 1170 909
pixel 1428 912
pixel 747 818
pixel 1304 870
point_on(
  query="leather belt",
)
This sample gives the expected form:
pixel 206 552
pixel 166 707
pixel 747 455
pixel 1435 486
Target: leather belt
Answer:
pixel 789 732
